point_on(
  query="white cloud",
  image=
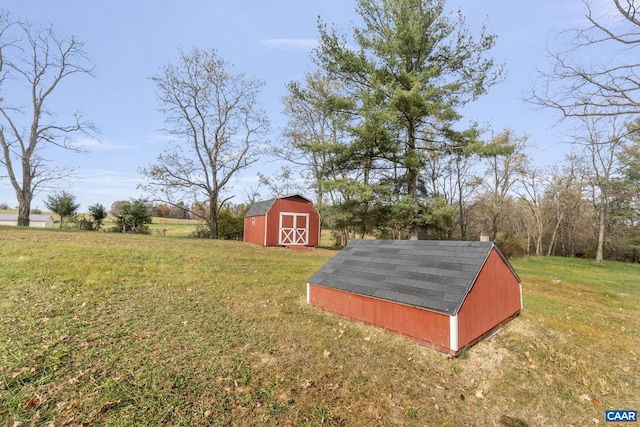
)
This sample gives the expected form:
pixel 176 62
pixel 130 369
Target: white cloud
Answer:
pixel 95 145
pixel 289 43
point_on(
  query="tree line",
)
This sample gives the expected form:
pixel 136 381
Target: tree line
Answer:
pixel 377 132
pixel 134 216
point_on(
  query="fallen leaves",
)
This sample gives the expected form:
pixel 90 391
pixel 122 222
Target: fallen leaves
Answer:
pixel 21 371
pixel 30 403
pixel 69 407
pixel 80 375
pixel 532 363
pixel 587 398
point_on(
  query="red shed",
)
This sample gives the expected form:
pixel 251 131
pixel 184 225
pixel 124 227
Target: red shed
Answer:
pixel 284 221
pixel 447 295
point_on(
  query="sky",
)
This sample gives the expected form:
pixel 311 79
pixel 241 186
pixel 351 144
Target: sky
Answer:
pixel 130 41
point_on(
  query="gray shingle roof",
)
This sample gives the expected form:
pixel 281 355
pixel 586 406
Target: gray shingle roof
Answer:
pixel 430 274
pixel 263 206
pixel 260 208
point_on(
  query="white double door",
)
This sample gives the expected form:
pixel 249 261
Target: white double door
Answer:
pixel 294 229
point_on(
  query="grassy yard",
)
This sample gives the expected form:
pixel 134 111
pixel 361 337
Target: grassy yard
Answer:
pixel 122 330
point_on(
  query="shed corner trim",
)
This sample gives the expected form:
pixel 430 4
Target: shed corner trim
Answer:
pixel 453 333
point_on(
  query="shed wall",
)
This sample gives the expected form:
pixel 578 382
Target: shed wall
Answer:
pixel 41 224
pixel 494 298
pixel 49 223
pixel 297 205
pixel 254 229
pixel 425 327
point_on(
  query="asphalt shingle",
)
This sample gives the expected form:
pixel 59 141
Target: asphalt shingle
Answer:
pixel 260 208
pixel 435 275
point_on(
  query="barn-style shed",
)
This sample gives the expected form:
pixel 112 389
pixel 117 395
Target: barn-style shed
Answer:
pixel 283 221
pixel 443 294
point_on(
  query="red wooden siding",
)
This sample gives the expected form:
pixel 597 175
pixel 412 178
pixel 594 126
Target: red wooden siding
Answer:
pixel 494 298
pixel 425 327
pixel 291 205
pixel 265 229
pixel 254 227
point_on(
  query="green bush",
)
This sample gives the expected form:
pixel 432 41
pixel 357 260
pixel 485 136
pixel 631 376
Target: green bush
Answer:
pixel 133 218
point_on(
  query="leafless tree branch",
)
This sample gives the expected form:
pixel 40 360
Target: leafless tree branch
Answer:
pixel 578 85
pixel 217 122
pixel 41 60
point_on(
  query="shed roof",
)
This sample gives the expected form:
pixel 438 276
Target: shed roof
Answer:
pixel 263 206
pixel 260 208
pixel 430 274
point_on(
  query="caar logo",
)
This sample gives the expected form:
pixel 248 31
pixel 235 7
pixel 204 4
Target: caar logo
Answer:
pixel 621 416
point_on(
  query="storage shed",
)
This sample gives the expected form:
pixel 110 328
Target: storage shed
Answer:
pixel 37 221
pixel 443 294
pixel 283 221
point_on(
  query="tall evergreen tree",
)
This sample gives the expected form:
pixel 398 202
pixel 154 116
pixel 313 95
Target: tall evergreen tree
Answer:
pixel 412 69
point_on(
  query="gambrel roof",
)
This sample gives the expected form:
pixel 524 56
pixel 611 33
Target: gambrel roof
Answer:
pixel 429 274
pixel 263 206
pixel 260 208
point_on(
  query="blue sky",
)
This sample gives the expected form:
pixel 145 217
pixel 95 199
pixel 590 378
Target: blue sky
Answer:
pixel 129 42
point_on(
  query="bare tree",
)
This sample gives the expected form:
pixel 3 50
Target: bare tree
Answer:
pixel 450 174
pixel 506 162
pixel 217 122
pixel 562 195
pixel 33 61
pixel 284 183
pixel 577 85
pixel 316 126
pixel 603 139
pixel 531 190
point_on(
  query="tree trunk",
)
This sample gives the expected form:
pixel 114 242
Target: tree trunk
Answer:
pixel 412 172
pixel 463 219
pixel 494 226
pixel 601 229
pixel 540 232
pixel 24 208
pixel 213 217
pixel 554 235
pixel 24 202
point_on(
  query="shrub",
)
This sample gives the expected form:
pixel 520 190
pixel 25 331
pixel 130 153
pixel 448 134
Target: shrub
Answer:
pixel 133 218
pixel 98 213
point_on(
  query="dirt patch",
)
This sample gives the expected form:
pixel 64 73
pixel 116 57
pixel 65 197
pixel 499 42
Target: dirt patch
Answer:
pixel 520 326
pixel 484 365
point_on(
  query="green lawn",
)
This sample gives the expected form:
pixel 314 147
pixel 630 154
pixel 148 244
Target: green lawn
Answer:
pixel 111 329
